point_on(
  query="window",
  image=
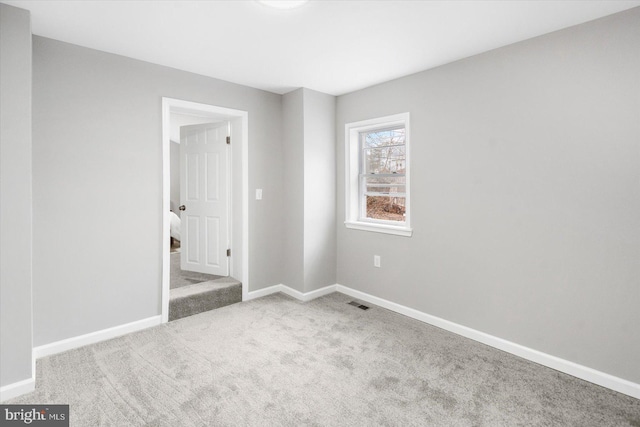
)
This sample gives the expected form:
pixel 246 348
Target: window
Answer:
pixel 377 175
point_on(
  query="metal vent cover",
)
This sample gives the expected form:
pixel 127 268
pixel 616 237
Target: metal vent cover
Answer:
pixel 357 304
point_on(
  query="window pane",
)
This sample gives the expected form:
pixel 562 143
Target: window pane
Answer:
pixel 384 138
pixel 384 160
pixel 386 208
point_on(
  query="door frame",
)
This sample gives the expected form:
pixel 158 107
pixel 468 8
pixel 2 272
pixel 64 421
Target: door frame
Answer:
pixel 239 119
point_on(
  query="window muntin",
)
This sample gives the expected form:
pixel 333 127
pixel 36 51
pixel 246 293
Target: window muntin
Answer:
pixel 377 175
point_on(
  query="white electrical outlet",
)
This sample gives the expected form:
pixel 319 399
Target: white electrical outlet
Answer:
pixel 258 193
pixel 376 261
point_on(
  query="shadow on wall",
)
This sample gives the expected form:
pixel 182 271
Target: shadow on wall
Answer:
pixel 175 175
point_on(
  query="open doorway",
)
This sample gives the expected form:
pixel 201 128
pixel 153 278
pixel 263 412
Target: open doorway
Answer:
pixel 205 221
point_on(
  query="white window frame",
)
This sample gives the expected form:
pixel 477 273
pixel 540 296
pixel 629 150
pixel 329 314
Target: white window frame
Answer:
pixel 353 202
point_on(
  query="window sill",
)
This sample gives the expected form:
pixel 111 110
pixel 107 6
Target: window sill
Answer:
pixel 379 228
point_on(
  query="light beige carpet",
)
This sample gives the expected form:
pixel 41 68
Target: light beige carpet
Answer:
pixel 278 362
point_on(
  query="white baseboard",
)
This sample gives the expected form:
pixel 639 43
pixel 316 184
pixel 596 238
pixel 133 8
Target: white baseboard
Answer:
pixel 94 337
pixel 307 296
pixel 19 388
pixel 263 292
pixel 579 371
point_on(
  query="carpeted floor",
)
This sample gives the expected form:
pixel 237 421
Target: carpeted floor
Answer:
pixel 275 361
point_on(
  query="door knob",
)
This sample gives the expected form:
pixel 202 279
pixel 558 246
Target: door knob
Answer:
pixel 182 207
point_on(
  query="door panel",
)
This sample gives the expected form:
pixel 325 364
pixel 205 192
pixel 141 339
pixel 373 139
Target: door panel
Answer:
pixel 204 192
pixel 192 175
pixel 192 245
pixel 213 242
pixel 213 176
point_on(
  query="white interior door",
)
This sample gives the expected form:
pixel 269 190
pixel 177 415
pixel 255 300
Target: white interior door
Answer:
pixel 204 160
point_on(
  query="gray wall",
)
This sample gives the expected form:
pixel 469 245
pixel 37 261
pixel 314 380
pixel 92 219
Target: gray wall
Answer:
pixel 15 195
pixel 97 182
pixel 319 190
pixel 293 185
pixel 308 122
pixel 525 194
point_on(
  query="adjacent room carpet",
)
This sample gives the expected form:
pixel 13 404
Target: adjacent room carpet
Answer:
pixel 180 278
pixel 276 361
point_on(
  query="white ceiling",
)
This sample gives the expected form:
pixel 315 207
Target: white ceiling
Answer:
pixel 329 46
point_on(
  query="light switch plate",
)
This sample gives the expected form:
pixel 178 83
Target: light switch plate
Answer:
pixel 258 193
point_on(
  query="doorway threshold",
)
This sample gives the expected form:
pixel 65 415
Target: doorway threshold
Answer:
pixel 200 297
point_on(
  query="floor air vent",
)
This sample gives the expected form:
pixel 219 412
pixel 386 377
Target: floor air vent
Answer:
pixel 357 304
